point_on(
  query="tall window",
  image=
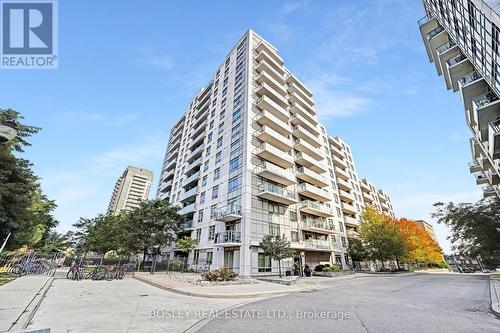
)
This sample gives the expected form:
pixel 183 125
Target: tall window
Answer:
pixel 211 232
pixel 274 229
pixel 198 234
pixel 215 192
pixel 264 262
pixel 234 184
pixel 216 173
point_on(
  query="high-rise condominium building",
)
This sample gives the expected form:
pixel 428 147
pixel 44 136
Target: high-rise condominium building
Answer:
pixel 427 227
pixel 132 186
pixel 462 38
pixel 249 158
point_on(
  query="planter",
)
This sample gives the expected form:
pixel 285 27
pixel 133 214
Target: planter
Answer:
pixel 333 274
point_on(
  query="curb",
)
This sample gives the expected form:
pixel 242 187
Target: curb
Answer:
pixel 222 296
pixel 29 311
pixel 495 297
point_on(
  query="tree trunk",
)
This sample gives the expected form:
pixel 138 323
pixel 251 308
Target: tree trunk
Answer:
pixel 102 258
pixel 383 265
pixel 143 258
pixel 279 267
pixel 397 264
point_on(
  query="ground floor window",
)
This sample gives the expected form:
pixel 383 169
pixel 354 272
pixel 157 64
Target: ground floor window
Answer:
pixel 264 262
pixel 210 257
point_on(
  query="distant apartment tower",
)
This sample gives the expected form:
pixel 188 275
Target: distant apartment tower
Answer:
pixel 427 227
pixel 132 187
pixel 249 158
pixel 462 38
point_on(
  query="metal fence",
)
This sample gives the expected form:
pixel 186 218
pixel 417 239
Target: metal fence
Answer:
pixel 176 264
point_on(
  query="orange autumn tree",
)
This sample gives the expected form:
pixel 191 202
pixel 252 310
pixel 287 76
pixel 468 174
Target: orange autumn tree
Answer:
pixel 420 248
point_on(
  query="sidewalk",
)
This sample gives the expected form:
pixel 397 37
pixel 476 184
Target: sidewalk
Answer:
pixel 495 293
pixel 20 299
pixel 177 283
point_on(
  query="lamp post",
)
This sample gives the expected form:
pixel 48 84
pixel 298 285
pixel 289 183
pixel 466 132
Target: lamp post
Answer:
pixel 8 131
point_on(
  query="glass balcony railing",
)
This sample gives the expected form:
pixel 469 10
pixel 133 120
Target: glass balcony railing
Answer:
pixel 226 211
pixel 471 77
pixel 424 20
pixel 434 32
pixel 446 46
pixel 317 206
pixel 227 237
pixel 455 60
pixel 485 99
pixel 278 190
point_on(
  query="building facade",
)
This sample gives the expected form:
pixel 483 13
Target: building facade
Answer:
pixel 249 158
pixel 427 227
pixel 462 39
pixel 132 187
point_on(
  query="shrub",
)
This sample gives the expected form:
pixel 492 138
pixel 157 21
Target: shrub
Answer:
pixel 319 268
pixel 331 269
pixel 223 274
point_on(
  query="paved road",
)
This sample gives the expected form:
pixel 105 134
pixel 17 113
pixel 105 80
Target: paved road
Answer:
pixel 412 303
pixel 120 306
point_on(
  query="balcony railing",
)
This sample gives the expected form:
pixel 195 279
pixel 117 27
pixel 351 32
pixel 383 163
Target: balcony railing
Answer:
pixel 318 244
pixel 277 170
pixel 471 77
pixel 317 206
pixel 434 32
pixel 424 20
pixel 224 212
pixel 449 44
pixel 485 99
pixel 278 190
pixel 227 237
pixel 455 60
pixel 319 223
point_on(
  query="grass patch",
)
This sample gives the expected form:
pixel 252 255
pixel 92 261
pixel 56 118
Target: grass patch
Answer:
pixel 6 278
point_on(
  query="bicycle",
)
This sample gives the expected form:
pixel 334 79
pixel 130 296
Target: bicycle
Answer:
pixel 75 271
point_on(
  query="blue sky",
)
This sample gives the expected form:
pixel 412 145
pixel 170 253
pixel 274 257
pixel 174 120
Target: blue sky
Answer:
pixel 127 71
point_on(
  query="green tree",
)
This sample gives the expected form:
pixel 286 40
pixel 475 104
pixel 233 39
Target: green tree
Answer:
pixel 104 234
pixel 278 248
pixel 381 237
pixel 356 249
pixel 474 227
pixel 56 242
pixel 186 244
pixel 151 225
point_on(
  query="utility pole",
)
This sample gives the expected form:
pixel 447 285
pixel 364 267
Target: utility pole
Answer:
pixel 5 242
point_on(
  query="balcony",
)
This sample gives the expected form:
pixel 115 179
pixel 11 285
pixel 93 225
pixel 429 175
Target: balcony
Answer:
pixel 436 38
pixel 312 177
pixel 457 67
pixel 293 88
pixel 346 196
pixel 367 197
pixel 197 140
pixel 195 153
pixel 350 221
pixel 267 104
pixel 298 109
pixel 296 98
pixel 292 79
pixel 434 32
pixel 306 147
pixel 364 186
pixel 270 56
pixel 475 148
pixel 315 208
pixel 193 165
pixel 189 209
pixel 494 138
pixel 471 86
pixel 265 89
pixel 492 176
pixel 278 140
pixel 319 225
pixel 486 109
pixel 339 162
pixel 187 226
pixel 277 193
pixel 317 244
pixel 275 155
pixel 446 46
pixel 298 119
pixel 275 173
pixel 189 195
pixel 263 66
pixel 266 78
pixel 228 238
pixel 170 165
pixel 342 174
pixel 266 118
pixel 348 208
pixel 199 129
pixel 191 180
pixel 481 179
pixel 344 185
pixel 174 146
pixel 474 167
pixel 337 152
pixel 227 214
pixel 305 160
pixel 426 25
pixel 489 191
pixel 313 192
pixel 301 133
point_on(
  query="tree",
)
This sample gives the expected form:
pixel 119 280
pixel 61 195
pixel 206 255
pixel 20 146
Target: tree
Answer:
pixel 24 210
pixel 475 227
pixel 278 248
pixel 186 244
pixel 380 237
pixel 153 224
pixel 56 242
pixel 104 234
pixel 356 250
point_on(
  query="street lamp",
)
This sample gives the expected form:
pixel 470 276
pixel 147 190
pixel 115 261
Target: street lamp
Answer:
pixel 7 131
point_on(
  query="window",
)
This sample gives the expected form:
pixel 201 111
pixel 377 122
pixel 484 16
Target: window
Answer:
pixel 221 127
pixel 274 229
pixel 215 192
pixel 207 151
pixel 295 236
pixel 205 167
pixel 219 142
pixel 236 145
pixel 216 173
pixel 222 114
pixel 224 92
pixel 213 208
pixel 211 232
pixel 264 262
pixel 204 181
pixel 293 215
pixel 200 215
pixel 218 157
pixel 236 129
pixel 344 243
pixel 237 114
pixel 196 256
pixel 209 137
pixel 339 213
pixel 234 164
pixel 234 184
pixel 198 234
pixel 202 197
pixel 341 227
pixel 210 257
pixel 212 123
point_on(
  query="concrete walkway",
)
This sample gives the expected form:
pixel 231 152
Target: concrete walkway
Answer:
pixel 178 284
pixel 495 293
pixel 20 299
